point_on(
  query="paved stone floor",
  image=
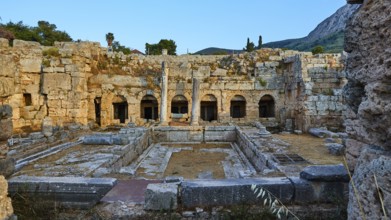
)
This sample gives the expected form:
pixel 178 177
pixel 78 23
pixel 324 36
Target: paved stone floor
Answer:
pixel 80 160
pixel 190 163
pixel 128 191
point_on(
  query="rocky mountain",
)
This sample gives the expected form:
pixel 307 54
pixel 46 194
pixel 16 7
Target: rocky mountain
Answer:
pixel 329 33
pixel 333 24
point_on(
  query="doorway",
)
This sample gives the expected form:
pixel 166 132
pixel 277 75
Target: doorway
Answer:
pixel 149 107
pixel 238 107
pixel 266 107
pixel 209 108
pixel 120 107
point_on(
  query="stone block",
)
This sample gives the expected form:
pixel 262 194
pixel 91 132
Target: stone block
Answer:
pixel 21 44
pixel 325 173
pixel 219 72
pixel 4 43
pixel 31 65
pixel 162 196
pixel 66 192
pixel 120 139
pixel 335 149
pixel 178 136
pixel 7 86
pixel 56 81
pixel 6 209
pixel 98 139
pixel 304 192
pixel 7 166
pixel 36 135
pixel 208 193
pixel 8 67
pixel 321 133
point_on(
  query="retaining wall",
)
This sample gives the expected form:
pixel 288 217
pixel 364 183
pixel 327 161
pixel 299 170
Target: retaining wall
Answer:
pixel 194 134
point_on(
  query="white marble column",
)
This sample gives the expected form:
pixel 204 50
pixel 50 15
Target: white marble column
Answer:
pixel 164 91
pixel 195 108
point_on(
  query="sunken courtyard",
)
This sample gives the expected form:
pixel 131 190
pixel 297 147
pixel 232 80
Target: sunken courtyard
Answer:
pixel 90 133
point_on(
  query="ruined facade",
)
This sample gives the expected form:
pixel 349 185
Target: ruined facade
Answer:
pixel 44 87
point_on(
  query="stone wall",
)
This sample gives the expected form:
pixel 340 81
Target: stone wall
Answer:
pixel 367 116
pixel 6 209
pixel 83 83
pixel 194 134
pixel 313 88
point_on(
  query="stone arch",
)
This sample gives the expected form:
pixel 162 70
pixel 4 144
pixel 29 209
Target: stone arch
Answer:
pixel 179 105
pixel 209 107
pixel 120 108
pixel 266 107
pixel 149 107
pixel 238 107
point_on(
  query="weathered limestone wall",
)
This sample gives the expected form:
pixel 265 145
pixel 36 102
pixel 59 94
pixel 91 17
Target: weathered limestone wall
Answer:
pixel 367 116
pixel 313 90
pixel 83 83
pixel 6 209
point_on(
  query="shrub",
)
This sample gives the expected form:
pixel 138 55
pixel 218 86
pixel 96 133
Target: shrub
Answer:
pixel 317 50
pixel 51 52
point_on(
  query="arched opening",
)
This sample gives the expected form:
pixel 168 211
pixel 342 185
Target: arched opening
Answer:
pixel 149 107
pixel 120 107
pixel 209 108
pixel 179 105
pixel 266 107
pixel 238 107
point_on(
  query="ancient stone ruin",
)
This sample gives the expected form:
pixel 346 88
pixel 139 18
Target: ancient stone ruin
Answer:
pixel 129 135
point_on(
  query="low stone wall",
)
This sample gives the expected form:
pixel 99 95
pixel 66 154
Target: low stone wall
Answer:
pixel 62 192
pixel 194 134
pixel 252 151
pixel 132 150
pixel 318 185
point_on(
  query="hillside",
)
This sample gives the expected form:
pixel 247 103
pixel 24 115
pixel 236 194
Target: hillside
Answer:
pixel 329 33
pixel 216 51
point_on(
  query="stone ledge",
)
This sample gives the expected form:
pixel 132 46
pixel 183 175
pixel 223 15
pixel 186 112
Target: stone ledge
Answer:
pixel 67 192
pixel 161 196
pixel 204 193
pixel 325 173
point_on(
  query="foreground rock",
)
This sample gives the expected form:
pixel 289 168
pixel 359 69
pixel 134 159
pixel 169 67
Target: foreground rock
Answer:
pixel 6 209
pixel 367 116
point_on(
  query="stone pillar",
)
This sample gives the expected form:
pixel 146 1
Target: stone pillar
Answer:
pixel 164 91
pixel 195 108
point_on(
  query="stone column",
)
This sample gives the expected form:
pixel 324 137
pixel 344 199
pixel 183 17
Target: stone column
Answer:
pixel 164 91
pixel 195 108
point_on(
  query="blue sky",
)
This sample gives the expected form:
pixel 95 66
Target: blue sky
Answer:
pixel 192 24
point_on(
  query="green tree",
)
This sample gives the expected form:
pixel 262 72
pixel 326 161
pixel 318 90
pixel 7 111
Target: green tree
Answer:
pixel 318 49
pixel 48 34
pixel 21 31
pixel 117 47
pixel 156 49
pixel 259 42
pixel 249 46
pixel 109 39
pixel 45 33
